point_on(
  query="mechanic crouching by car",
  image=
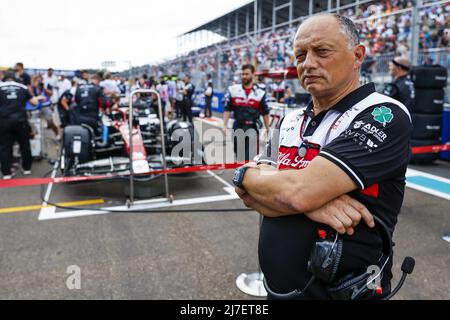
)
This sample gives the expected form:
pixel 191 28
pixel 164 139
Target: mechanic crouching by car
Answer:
pixel 330 170
pixel 89 99
pixel 14 123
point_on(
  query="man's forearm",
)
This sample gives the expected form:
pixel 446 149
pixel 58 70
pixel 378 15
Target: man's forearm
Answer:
pixel 267 122
pixel 65 105
pixel 270 213
pixel 343 214
pixel 226 118
pixel 298 190
pixel 250 202
pixel 266 187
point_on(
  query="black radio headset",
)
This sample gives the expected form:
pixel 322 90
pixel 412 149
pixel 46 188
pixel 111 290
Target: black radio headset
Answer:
pixel 324 263
pixel 306 145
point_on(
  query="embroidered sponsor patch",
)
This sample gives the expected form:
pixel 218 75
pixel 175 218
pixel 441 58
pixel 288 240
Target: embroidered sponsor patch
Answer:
pixel 383 115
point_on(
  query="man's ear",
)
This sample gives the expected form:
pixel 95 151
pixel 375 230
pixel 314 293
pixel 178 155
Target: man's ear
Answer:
pixel 360 55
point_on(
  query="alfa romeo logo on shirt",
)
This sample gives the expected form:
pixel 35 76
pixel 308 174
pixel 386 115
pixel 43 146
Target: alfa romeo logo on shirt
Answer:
pixel 383 115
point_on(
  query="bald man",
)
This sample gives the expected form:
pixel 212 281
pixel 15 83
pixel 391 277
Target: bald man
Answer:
pixel 332 166
pixel 402 89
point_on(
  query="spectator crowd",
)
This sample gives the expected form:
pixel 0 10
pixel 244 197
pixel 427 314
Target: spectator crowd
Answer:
pixel 385 29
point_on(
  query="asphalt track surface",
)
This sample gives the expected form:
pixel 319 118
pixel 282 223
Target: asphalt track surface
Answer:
pixel 176 255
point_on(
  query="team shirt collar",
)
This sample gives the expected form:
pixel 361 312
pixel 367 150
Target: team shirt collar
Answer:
pixel 347 102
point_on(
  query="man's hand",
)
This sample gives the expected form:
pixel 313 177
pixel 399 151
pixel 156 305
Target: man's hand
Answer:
pixel 343 215
pixel 241 193
pixel 253 204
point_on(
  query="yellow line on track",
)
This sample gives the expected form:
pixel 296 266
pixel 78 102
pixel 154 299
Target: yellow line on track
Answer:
pixel 39 207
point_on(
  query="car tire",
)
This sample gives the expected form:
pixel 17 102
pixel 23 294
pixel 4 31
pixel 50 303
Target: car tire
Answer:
pixel 427 126
pixel 429 101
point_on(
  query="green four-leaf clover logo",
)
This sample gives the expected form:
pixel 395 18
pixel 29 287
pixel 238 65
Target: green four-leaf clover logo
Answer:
pixel 383 115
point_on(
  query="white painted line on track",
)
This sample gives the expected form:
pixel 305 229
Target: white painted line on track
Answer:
pixel 427 190
pixel 45 211
pixel 411 173
pixel 139 206
pixel 145 204
pixel 221 180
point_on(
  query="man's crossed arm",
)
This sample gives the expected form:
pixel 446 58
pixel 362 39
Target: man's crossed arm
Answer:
pixel 319 191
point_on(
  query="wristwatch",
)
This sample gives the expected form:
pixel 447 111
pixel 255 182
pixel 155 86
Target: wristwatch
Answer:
pixel 239 174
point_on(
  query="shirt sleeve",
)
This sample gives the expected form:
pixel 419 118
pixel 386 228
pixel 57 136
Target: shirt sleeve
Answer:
pixel 391 90
pixel 26 79
pixel 375 147
pixel 101 98
pixel 191 90
pixel 68 96
pixel 28 95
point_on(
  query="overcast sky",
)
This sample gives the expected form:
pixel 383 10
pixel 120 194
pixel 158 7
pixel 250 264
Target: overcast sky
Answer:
pixel 74 34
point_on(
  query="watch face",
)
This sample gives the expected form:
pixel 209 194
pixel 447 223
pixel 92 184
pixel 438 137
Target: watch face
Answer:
pixel 236 178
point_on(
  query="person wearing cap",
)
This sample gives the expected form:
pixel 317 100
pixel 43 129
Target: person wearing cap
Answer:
pixel 402 88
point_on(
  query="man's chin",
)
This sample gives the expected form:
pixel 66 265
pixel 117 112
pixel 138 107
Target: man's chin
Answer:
pixel 314 88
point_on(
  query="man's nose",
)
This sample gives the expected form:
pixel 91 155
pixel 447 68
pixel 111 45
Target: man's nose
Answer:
pixel 310 62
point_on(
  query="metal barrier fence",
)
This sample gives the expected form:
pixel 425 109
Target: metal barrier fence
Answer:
pixel 378 73
pixel 432 56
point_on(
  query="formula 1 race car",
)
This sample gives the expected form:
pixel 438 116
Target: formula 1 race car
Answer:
pixel 86 152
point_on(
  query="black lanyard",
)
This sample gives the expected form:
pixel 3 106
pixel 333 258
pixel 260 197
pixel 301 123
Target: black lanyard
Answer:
pixel 306 145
